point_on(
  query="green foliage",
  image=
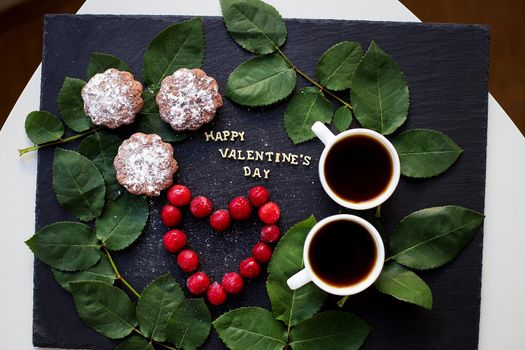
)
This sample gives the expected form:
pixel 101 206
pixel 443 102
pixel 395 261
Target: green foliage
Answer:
pixel 379 92
pixel 100 62
pixel 151 123
pixel 250 328
pixel 330 330
pixel 135 343
pixel 256 26
pixel 101 148
pixel 68 246
pixel 155 306
pixel 122 221
pixel 305 108
pixel 42 127
pixel 104 308
pixel 181 45
pixel 71 105
pixel 79 187
pixel 432 237
pixel 292 306
pixel 337 65
pixel 261 81
pixel 342 118
pixel 102 272
pixel 425 153
pixel 189 325
pixel 405 285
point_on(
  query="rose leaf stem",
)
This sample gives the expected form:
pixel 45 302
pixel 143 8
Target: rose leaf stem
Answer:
pixel 58 142
pixel 312 81
pixel 117 273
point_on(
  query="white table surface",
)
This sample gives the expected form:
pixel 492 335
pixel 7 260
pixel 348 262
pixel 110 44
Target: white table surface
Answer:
pixel 503 287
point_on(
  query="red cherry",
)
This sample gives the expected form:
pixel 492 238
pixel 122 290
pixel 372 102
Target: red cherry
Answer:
pixel 174 240
pixel 240 208
pixel 249 268
pixel 270 233
pixel 262 252
pixel 188 260
pixel 216 294
pixel 170 215
pixel 200 207
pixel 220 220
pixel 232 283
pixel 258 195
pixel 198 283
pixel 269 213
pixel 179 195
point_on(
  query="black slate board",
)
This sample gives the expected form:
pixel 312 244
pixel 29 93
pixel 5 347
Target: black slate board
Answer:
pixel 446 68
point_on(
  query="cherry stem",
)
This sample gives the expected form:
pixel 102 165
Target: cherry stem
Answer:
pixel 58 142
pixel 312 81
pixel 117 273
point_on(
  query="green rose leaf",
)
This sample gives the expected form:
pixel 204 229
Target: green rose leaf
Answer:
pixel 342 118
pixel 122 221
pixel 42 127
pixel 71 105
pixel 156 305
pixel 250 328
pixel 151 123
pixel 189 325
pixel 68 246
pixel 101 62
pixel 306 107
pixel 292 306
pixel 256 26
pixel 332 330
pixel 379 92
pixel 337 65
pixel 261 81
pixel 79 186
pixel 181 45
pixel 425 153
pixel 101 148
pixel 135 343
pixel 102 272
pixel 405 285
pixel 150 103
pixel 432 237
pixel 104 308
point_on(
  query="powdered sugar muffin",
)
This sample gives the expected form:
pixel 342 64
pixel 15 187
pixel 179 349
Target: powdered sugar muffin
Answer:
pixel 145 165
pixel 112 98
pixel 188 99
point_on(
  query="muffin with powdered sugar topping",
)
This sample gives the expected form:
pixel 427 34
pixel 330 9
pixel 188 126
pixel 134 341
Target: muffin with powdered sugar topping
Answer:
pixel 112 98
pixel 145 165
pixel 188 99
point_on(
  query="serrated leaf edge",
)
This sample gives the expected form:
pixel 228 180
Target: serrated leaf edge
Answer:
pixel 392 257
pixel 460 152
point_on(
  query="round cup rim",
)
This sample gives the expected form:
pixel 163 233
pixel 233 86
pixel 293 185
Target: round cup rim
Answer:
pixel 393 181
pixel 372 276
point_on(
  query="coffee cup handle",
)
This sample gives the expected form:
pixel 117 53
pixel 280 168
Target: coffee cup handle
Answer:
pixel 322 132
pixel 299 279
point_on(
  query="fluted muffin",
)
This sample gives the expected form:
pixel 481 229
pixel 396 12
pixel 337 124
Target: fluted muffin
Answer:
pixel 112 98
pixel 145 165
pixel 188 99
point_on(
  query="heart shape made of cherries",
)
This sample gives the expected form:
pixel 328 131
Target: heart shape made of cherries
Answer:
pixel 240 209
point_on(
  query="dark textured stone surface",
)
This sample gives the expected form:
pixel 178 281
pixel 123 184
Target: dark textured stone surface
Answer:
pixel 446 68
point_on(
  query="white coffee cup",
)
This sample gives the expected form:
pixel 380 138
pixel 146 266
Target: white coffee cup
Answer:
pixel 308 274
pixel 329 139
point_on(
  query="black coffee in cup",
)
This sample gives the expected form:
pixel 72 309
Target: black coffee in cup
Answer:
pixel 342 253
pixel 358 168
